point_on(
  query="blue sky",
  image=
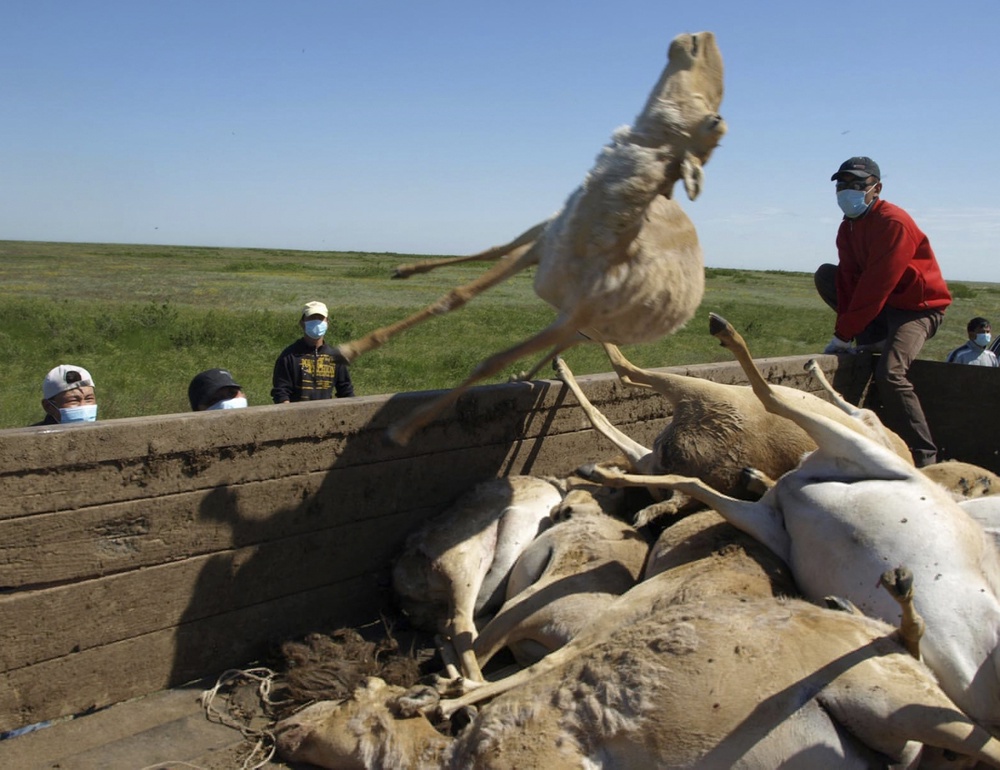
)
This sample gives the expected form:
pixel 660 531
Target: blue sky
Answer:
pixel 445 127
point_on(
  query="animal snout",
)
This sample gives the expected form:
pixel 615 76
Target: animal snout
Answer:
pixel 713 127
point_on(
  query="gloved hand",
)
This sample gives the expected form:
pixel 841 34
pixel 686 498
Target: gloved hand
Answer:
pixel 837 345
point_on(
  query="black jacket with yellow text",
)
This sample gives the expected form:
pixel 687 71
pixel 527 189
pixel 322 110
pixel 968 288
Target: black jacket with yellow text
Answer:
pixel 305 373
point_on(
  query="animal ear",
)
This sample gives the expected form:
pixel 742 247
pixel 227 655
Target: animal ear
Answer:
pixel 693 175
pixel 290 738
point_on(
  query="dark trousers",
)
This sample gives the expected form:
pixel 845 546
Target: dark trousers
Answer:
pixel 901 335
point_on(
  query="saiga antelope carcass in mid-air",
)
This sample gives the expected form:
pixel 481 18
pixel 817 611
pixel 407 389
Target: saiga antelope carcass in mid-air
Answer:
pixel 621 260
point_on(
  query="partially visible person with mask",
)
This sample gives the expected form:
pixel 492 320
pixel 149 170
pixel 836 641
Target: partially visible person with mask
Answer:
pixel 307 370
pixel 68 396
pixel 976 352
pixel 215 389
pixel 888 293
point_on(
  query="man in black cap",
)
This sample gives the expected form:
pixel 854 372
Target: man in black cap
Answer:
pixel 888 293
pixel 215 389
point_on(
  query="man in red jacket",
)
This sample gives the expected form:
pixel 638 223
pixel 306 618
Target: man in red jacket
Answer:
pixel 888 292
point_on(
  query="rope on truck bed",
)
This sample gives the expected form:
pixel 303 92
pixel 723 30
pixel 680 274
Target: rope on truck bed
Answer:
pixel 225 686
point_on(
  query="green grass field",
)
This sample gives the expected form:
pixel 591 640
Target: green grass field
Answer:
pixel 145 319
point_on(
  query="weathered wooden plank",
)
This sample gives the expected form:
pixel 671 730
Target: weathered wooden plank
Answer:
pixel 175 744
pixel 167 725
pixel 72 545
pixel 277 556
pixel 112 673
pixel 184 463
pixel 50 549
pixel 85 614
pixel 153 456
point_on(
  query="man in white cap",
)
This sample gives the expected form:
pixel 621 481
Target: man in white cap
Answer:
pixel 68 396
pixel 308 370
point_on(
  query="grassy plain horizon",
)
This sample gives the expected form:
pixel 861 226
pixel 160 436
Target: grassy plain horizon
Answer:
pixel 145 319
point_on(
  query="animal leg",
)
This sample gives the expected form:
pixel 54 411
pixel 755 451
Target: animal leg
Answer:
pixel 672 387
pixel 463 642
pixel 887 717
pixel 461 636
pixel 448 657
pixel 555 334
pixel 550 356
pixel 460 628
pixel 490 690
pixel 523 257
pixel 517 620
pixel 627 372
pixel 526 238
pixel 634 451
pixel 495 635
pixel 758 519
pixel 899 583
pixel 838 439
pixel 813 368
pixel 677 504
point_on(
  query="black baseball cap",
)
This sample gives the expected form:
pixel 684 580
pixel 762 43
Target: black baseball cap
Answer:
pixel 205 384
pixel 860 166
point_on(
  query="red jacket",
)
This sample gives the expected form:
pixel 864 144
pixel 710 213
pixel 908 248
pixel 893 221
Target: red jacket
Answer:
pixel 885 260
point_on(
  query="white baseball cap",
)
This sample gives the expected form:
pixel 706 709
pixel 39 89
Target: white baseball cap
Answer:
pixel 314 308
pixel 65 377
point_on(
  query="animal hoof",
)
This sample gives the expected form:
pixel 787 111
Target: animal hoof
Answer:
pixel 755 482
pixel 416 700
pixel 389 440
pixel 840 604
pixel 397 435
pixel 653 513
pixel 462 718
pixel 344 354
pixel 717 324
pixel 898 582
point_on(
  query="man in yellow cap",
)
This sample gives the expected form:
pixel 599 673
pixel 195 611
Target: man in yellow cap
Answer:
pixel 307 370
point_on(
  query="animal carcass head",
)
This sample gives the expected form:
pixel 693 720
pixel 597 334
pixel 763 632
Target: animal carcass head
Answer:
pixel 318 734
pixel 360 732
pixel 682 114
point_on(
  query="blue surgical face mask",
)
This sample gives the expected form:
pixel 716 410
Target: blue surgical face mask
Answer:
pixel 852 202
pixel 983 339
pixel 230 403
pixel 85 413
pixel 316 329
